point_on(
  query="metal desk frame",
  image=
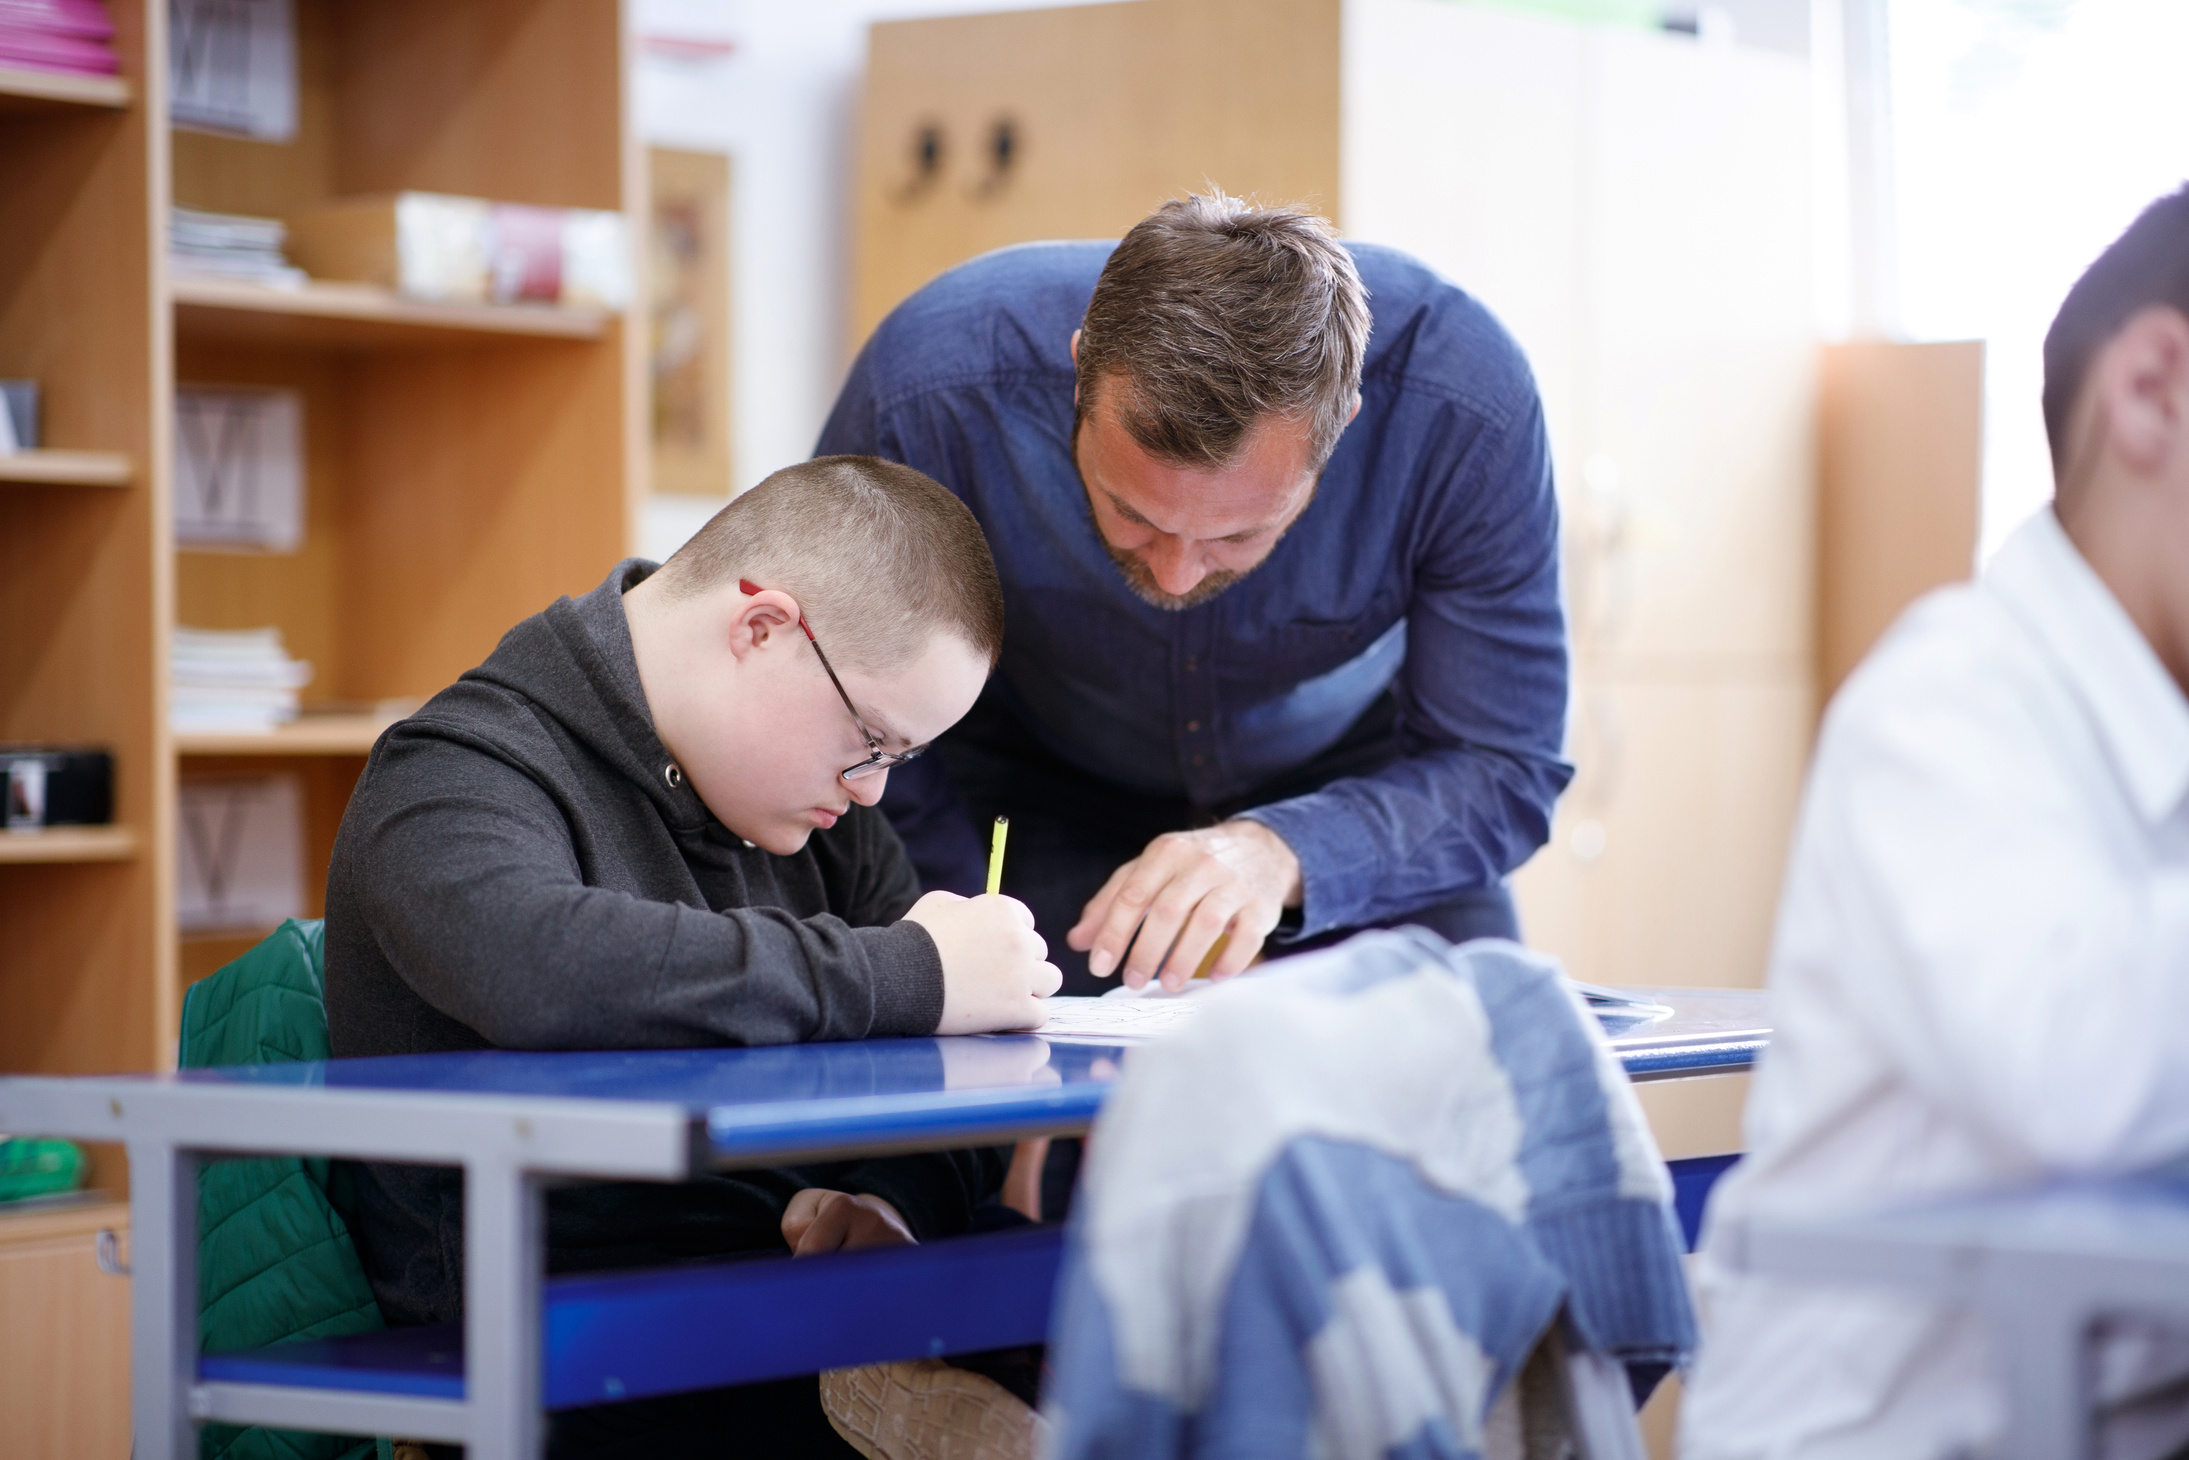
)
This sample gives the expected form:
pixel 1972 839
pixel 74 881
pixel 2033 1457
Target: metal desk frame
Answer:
pixel 2043 1267
pixel 510 1148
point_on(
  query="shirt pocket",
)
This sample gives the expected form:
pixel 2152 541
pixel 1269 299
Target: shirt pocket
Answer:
pixel 1303 649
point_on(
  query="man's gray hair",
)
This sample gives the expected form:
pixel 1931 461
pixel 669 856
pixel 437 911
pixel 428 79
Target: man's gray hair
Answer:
pixel 1213 314
pixel 878 555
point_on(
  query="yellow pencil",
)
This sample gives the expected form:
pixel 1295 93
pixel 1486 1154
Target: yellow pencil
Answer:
pixel 995 854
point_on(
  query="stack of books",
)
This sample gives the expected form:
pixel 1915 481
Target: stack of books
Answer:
pixel 234 681
pixel 71 36
pixel 230 245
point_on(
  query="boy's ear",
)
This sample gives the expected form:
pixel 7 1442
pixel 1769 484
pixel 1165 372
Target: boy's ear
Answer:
pixel 761 616
pixel 2146 380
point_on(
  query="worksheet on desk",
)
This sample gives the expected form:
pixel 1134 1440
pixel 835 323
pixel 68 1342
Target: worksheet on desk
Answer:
pixel 1127 1016
pixel 1119 1016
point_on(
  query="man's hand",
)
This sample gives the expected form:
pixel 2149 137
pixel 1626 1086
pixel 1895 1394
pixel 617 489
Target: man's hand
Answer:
pixel 819 1221
pixel 995 968
pixel 1188 889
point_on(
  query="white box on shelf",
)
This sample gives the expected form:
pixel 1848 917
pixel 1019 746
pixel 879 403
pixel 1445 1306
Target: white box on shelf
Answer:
pixel 446 249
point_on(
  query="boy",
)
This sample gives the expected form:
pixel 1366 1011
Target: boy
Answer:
pixel 1981 974
pixel 647 821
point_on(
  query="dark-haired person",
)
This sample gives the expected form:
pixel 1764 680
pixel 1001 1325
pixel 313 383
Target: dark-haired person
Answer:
pixel 647 821
pixel 1981 974
pixel 1275 524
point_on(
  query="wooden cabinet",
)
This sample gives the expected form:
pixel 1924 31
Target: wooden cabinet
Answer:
pixel 1633 205
pixel 1108 109
pixel 64 1347
pixel 1900 478
pixel 464 466
pixel 86 966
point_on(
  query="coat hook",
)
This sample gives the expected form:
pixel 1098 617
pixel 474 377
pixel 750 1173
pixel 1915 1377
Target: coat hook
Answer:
pixel 1003 148
pixel 927 156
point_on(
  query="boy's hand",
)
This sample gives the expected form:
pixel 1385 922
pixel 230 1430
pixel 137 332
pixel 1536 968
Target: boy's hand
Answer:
pixel 995 968
pixel 819 1221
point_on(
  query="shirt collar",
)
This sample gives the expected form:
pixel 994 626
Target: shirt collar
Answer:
pixel 2140 712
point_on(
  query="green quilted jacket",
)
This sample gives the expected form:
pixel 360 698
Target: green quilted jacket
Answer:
pixel 275 1259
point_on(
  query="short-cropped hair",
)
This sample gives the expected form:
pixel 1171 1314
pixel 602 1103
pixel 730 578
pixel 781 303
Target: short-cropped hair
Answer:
pixel 1213 314
pixel 2147 265
pixel 879 557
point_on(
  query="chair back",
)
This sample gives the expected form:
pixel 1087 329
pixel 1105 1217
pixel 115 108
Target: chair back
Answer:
pixel 275 1257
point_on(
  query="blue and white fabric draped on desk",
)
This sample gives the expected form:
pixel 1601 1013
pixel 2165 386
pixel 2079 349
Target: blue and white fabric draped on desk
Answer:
pixel 1335 1213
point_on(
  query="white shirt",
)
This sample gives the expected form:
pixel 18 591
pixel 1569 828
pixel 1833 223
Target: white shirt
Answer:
pixel 1980 976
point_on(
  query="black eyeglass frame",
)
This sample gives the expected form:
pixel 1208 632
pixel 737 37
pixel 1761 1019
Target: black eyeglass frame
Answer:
pixel 878 759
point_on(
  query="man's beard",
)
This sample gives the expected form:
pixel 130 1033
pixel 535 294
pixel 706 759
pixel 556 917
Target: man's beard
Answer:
pixel 1142 582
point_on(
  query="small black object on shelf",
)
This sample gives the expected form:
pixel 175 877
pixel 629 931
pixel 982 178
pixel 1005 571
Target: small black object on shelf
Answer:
pixel 56 785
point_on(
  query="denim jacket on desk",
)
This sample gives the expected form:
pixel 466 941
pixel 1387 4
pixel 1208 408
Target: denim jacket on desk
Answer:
pixel 1427 564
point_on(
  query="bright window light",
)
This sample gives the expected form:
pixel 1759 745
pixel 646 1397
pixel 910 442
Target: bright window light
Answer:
pixel 2028 134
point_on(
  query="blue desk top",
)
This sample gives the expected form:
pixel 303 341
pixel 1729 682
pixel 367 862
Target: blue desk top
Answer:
pixel 764 1104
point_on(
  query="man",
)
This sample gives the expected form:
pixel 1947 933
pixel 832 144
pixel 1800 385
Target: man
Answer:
pixel 1278 542
pixel 646 821
pixel 1981 974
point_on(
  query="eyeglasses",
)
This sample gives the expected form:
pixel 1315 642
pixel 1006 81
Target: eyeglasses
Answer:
pixel 878 759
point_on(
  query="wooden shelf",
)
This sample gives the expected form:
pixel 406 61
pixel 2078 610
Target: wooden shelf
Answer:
pixel 66 468
pixel 26 90
pixel 356 316
pixel 309 735
pixel 69 844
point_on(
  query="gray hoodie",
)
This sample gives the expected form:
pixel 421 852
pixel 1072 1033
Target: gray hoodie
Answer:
pixel 517 869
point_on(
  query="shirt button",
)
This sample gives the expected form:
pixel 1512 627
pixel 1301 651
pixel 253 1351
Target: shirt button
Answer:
pixel 1199 759
pixel 1193 725
pixel 1192 664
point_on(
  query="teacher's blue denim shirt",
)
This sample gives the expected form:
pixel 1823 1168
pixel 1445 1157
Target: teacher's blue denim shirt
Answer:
pixel 1427 564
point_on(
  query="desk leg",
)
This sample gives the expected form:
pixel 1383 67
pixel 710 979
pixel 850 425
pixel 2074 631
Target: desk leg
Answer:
pixel 504 1262
pixel 163 1247
pixel 2044 1358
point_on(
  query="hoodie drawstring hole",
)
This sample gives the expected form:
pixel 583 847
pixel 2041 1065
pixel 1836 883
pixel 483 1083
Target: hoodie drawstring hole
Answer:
pixel 673 776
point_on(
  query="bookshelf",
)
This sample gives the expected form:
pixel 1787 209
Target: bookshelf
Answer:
pixel 86 980
pixel 464 464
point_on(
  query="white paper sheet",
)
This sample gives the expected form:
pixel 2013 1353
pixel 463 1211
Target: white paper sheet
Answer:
pixel 1120 1016
pixel 1123 1016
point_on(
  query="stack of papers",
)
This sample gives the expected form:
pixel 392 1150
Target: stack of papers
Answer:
pixel 234 681
pixel 230 245
pixel 74 37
